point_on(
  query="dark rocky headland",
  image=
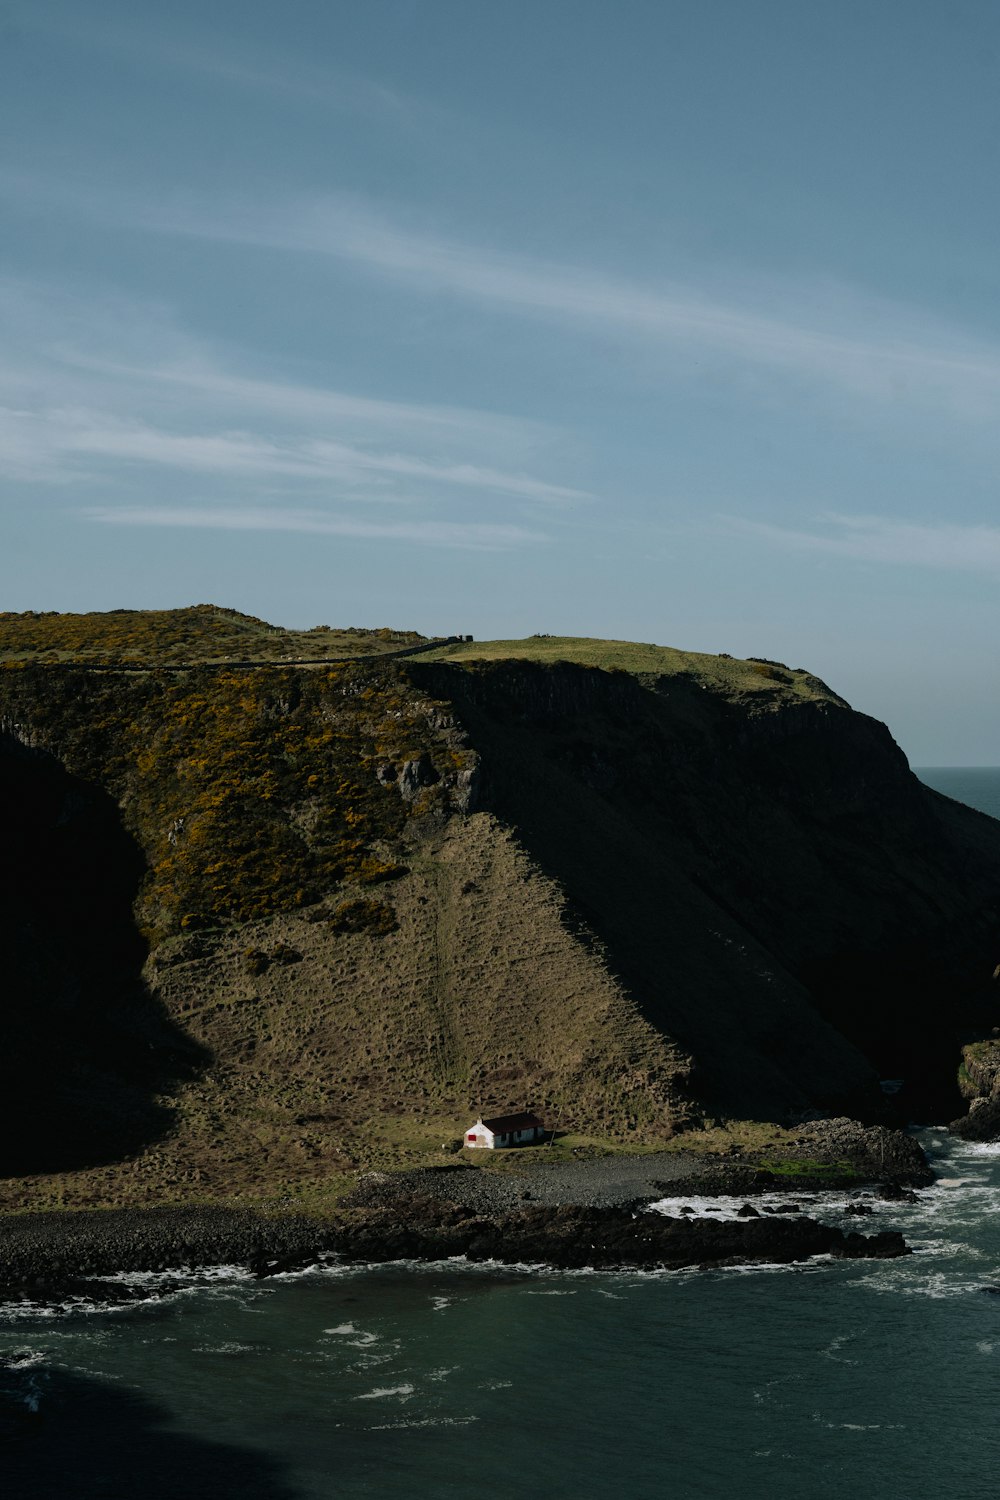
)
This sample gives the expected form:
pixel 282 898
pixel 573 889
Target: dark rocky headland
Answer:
pixel 273 925
pixel 60 1258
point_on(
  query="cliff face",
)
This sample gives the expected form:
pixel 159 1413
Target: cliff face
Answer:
pixel 376 898
pixel 979 1082
pixel 778 891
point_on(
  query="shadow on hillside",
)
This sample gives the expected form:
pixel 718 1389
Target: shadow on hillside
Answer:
pixel 774 893
pixel 86 1049
pixel 64 1435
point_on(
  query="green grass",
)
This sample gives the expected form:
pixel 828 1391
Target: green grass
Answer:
pixel 566 1148
pixel 199 633
pixel 805 1168
pixel 731 675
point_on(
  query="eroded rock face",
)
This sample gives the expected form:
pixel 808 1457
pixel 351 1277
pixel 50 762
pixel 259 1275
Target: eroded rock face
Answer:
pixel 982 1123
pixel 572 1237
pixel 46 1256
pixel 777 889
pixel 872 1151
pixel 414 775
pixel 980 1083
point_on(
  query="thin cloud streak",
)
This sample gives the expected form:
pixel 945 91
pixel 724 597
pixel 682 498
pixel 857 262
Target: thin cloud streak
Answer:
pixel 300 401
pixel 291 80
pixel 916 361
pixel 96 435
pixel 468 536
pixel 880 539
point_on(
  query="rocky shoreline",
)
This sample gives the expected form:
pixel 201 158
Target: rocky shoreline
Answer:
pixel 566 1215
pixel 63 1258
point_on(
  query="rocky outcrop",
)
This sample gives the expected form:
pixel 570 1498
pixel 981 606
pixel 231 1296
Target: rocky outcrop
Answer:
pixel 415 775
pixel 45 1257
pixel 573 1237
pixel 979 1081
pixel 826 1154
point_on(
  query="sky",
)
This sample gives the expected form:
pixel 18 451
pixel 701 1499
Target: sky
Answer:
pixel 666 320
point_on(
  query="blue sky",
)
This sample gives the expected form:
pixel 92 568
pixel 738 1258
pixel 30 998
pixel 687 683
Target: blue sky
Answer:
pixel 670 321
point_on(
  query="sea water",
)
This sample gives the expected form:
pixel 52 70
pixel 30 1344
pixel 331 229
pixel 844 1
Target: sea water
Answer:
pixel 978 786
pixel 825 1379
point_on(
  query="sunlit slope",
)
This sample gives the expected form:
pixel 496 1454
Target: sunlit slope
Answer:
pixel 200 633
pixel 271 924
pixel 729 675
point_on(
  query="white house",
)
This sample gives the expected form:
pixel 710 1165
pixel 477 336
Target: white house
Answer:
pixel 505 1130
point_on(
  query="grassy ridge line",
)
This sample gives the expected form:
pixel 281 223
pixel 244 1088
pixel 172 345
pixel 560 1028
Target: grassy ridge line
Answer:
pixel 202 632
pixel 219 664
pixel 732 676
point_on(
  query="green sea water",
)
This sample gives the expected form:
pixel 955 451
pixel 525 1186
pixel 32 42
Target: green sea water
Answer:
pixel 977 786
pixel 822 1380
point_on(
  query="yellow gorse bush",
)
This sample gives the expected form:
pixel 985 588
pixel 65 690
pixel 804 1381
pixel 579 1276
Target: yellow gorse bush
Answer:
pixel 251 792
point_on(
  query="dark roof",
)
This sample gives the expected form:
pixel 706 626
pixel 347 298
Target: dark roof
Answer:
pixel 504 1124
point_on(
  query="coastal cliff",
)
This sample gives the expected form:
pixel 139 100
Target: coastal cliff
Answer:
pixel 274 923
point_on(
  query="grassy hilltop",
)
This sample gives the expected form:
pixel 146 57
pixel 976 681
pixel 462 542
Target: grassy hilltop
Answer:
pixel 270 923
pixel 163 637
pixel 729 675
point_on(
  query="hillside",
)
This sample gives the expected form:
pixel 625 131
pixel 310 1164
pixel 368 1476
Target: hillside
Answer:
pixel 164 637
pixel 272 924
pixel 734 678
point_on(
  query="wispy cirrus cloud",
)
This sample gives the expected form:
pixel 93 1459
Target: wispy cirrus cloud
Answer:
pixel 882 539
pixel 825 336
pixel 86 435
pixel 79 410
pixel 833 336
pixel 465 535
pixel 231 61
pixel 190 375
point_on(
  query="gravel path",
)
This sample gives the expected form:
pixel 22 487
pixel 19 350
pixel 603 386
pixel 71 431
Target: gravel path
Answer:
pixel 607 1182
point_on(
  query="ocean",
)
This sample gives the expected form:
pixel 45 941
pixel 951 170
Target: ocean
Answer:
pixel 441 1381
pixel 978 786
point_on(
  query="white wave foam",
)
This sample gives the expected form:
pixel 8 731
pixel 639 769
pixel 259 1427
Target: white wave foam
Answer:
pixel 23 1359
pixel 423 1422
pixel 866 1426
pixel 357 1338
pixel 383 1392
pixel 908 1280
pixel 833 1348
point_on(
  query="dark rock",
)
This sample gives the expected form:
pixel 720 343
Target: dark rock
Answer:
pixel 982 1123
pixel 52 1256
pixel 747 1211
pixel 874 1153
pixel 858 1208
pixel 570 1236
pixel 885 1246
pixel 415 775
pixel 891 1192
